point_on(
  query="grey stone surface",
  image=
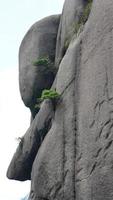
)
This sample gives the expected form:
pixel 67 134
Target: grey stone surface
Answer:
pixel 53 172
pixel 21 164
pixel 39 42
pixel 71 13
pixel 75 159
pixel 94 161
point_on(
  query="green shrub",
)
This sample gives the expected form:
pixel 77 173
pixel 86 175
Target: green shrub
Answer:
pixel 45 65
pixel 83 18
pixel 86 12
pixel 47 94
pixel 77 25
pixel 42 61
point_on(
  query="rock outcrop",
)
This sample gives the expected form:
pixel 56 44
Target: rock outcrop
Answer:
pixel 39 42
pixel 68 150
pixel 21 165
pixel 71 14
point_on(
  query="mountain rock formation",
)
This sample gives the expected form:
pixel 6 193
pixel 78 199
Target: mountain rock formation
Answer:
pixel 67 151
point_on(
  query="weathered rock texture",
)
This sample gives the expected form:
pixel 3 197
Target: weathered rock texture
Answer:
pixel 39 42
pixel 94 169
pixel 21 165
pixel 72 11
pixel 74 161
pixel 54 167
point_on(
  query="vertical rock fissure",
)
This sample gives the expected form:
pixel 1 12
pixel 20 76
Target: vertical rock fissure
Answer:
pixel 76 100
pixel 74 143
pixel 63 170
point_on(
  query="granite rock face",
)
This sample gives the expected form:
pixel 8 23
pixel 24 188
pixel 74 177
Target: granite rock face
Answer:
pixel 74 159
pixel 21 164
pixel 53 170
pixel 71 14
pixel 39 42
pixel 94 118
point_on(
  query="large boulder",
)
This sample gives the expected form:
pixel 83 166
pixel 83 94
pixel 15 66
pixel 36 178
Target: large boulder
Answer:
pixel 39 42
pixel 71 14
pixel 75 159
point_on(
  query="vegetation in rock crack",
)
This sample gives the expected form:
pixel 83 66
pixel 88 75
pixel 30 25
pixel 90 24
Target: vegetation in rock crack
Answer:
pixel 45 65
pixel 76 26
pixel 66 43
pixel 42 61
pixel 84 17
pixel 37 105
pixel 47 94
pixel 86 12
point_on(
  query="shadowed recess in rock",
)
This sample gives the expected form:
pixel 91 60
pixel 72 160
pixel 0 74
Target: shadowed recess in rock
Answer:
pixel 74 161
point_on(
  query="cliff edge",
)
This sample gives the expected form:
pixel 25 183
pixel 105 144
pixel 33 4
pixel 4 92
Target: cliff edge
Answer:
pixel 67 152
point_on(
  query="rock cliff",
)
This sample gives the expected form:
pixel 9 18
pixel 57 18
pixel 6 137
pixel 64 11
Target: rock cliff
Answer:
pixel 67 151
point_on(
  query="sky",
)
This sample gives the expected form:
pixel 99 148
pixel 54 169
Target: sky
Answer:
pixel 16 17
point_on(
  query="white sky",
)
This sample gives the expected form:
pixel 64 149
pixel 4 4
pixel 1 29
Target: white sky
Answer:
pixel 16 16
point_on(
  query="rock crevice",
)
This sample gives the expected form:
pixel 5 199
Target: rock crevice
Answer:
pixel 67 152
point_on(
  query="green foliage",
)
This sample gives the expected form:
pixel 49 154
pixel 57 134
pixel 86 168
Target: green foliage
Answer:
pixel 77 25
pixel 49 94
pixel 84 16
pixel 42 61
pixel 45 65
pixel 86 12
